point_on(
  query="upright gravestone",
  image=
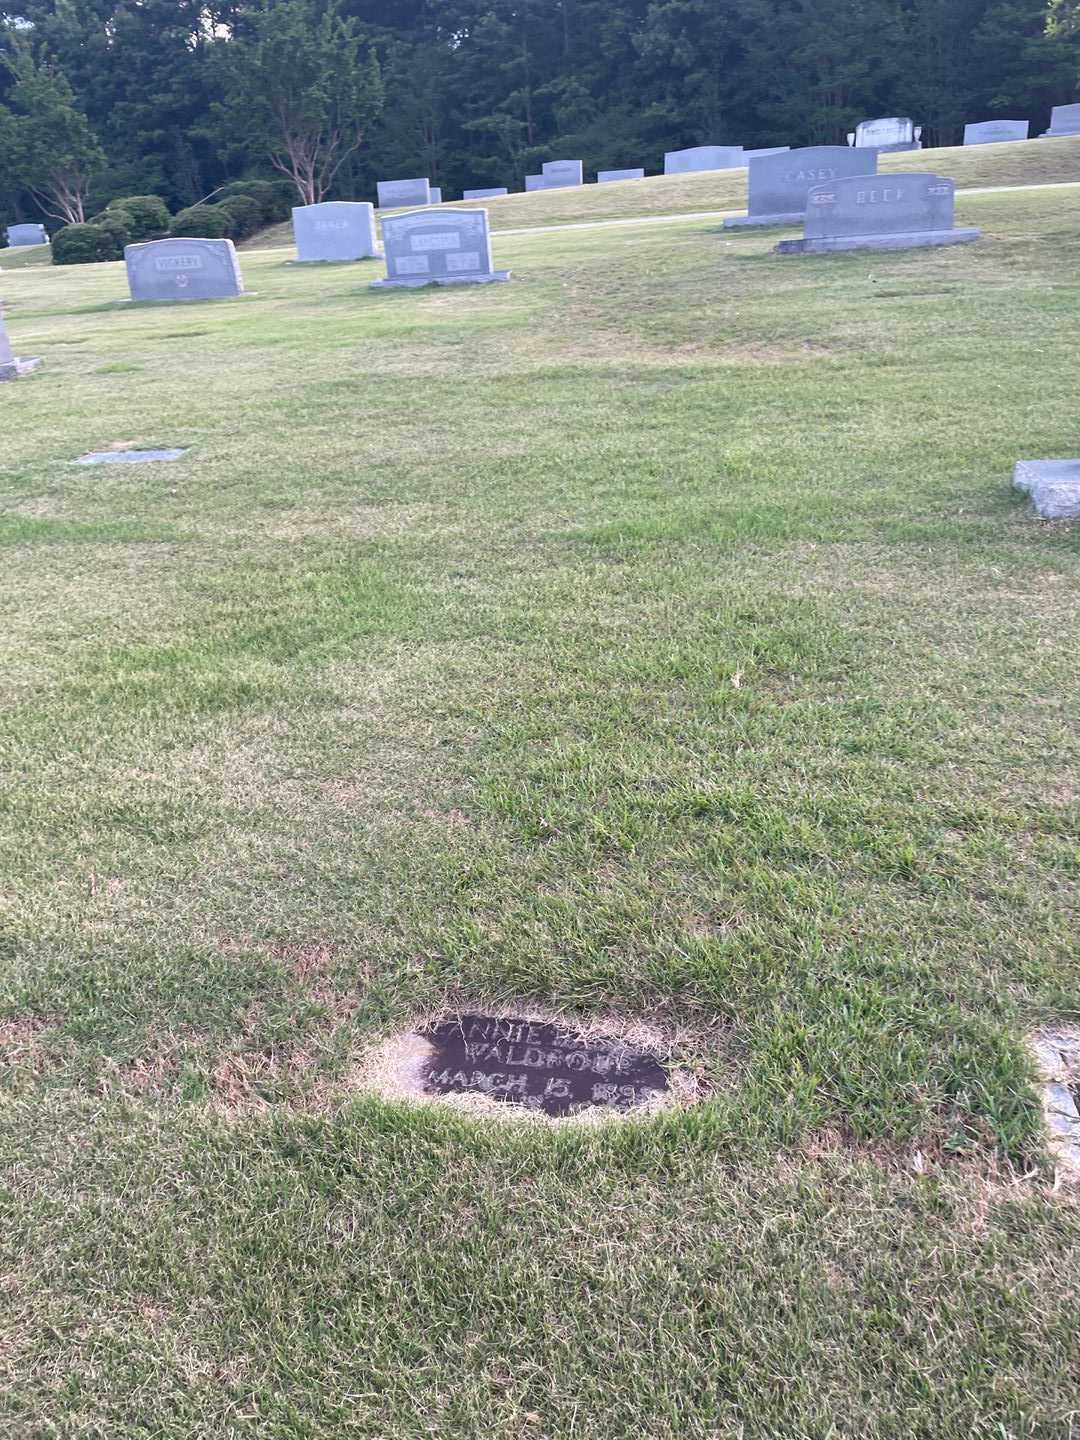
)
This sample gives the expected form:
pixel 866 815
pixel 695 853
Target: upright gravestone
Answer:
pixel 891 132
pixel 27 235
pixel 704 157
pixel 534 182
pixel 436 194
pixel 993 132
pixel 428 249
pixel 12 365
pixel 1053 485
pixel 779 184
pixel 397 194
pixel 183 269
pixel 489 194
pixel 560 173
pixel 605 177
pixel 769 150
pixel 335 231
pixel 884 212
pixel 1064 120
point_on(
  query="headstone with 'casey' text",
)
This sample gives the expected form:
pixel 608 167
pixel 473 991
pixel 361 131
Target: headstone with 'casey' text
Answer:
pixel 335 231
pixel 779 184
pixel 428 247
pixel 183 269
pixel 879 212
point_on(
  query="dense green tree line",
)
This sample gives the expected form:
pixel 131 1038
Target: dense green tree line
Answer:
pixel 480 91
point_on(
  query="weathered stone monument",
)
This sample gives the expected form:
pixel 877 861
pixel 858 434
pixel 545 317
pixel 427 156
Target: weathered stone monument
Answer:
pixel 334 232
pixel 993 132
pixel 1064 120
pixel 605 177
pixel 27 235
pixel 12 365
pixel 779 184
pixel 423 248
pixel 183 269
pixel 883 212
pixel 489 194
pixel 538 1066
pixel 397 194
pixel 704 157
pixel 1053 486
pixel 558 174
pixel 891 132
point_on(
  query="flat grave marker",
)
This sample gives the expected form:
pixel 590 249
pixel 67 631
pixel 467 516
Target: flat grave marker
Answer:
pixel 127 457
pixel 334 232
pixel 605 177
pixel 401 194
pixel 779 184
pixel 994 132
pixel 539 1066
pixel 423 248
pixel 903 211
pixel 704 157
pixel 183 269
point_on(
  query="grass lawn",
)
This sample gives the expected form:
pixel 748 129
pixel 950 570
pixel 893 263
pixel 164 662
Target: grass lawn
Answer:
pixel 656 636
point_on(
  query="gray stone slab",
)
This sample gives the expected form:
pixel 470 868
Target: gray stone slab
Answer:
pixel 704 157
pixel 1064 120
pixel 768 150
pixel 1053 485
pixel 436 194
pixel 908 210
pixel 534 182
pixel 558 174
pixel 423 248
pixel 128 457
pixel 27 235
pixel 779 184
pixel 994 132
pixel 489 194
pixel 605 177
pixel 398 194
pixel 12 365
pixel 183 269
pixel 334 232
pixel 889 132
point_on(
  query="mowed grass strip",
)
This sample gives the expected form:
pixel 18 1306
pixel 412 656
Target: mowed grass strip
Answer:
pixel 655 635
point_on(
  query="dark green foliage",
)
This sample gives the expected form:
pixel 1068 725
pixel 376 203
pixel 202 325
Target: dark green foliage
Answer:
pixel 210 222
pixel 147 215
pixel 116 223
pixel 244 215
pixel 85 244
pixel 265 195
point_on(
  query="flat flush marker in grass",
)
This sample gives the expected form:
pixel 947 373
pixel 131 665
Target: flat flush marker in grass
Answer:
pixel 1058 1055
pixel 128 457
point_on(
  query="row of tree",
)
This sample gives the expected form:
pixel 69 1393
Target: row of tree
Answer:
pixel 177 97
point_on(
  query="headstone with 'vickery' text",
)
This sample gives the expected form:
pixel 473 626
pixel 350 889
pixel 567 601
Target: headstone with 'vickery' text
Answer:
pixel 183 269
pixel 779 184
pixel 882 212
pixel 448 247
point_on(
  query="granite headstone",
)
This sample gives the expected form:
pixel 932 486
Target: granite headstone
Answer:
pixel 890 132
pixel 884 212
pixel 534 182
pixel 397 194
pixel 1064 120
pixel 560 173
pixel 779 184
pixel 27 235
pixel 1053 485
pixel 436 194
pixel 993 132
pixel 605 177
pixel 12 365
pixel 423 248
pixel 768 150
pixel 485 194
pixel 336 230
pixel 183 269
pixel 704 157
pixel 539 1066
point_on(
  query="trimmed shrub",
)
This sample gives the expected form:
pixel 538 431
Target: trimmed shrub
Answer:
pixel 84 245
pixel 117 223
pixel 261 191
pixel 244 214
pixel 207 222
pixel 148 215
pixel 285 197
